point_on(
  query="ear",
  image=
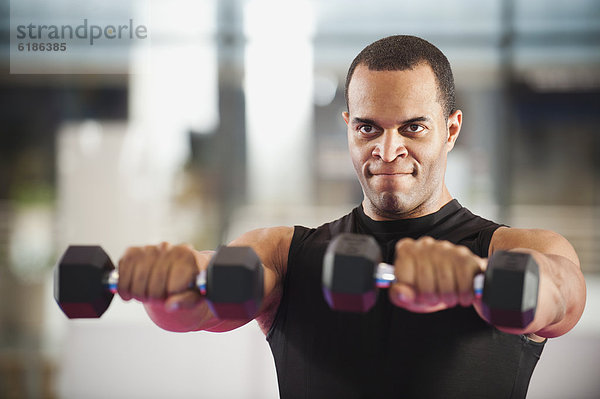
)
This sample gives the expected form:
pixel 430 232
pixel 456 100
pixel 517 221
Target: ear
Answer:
pixel 346 117
pixel 453 128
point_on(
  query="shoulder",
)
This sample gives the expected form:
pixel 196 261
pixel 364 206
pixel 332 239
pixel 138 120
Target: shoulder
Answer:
pixel 270 234
pixel 544 241
pixel 270 243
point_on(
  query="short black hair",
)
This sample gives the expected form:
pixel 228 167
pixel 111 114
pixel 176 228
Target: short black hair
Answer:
pixel 402 52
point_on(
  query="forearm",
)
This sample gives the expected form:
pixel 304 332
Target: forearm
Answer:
pixel 187 311
pixel 182 320
pixel 184 311
pixel 561 296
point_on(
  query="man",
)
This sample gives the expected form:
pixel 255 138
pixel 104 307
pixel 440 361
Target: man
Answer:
pixel 426 336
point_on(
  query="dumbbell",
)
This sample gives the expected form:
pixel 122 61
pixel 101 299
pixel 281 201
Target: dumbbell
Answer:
pixel 85 281
pixel 352 272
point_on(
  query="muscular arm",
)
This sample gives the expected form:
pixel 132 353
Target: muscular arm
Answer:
pixel 433 275
pixel 184 312
pixel 562 291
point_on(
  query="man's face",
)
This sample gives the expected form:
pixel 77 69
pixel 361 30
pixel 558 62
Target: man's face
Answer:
pixel 399 139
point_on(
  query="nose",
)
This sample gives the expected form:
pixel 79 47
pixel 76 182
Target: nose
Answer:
pixel 389 146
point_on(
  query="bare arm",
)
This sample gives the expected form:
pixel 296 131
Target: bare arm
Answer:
pixel 562 291
pixel 433 275
pixel 272 246
pixel 159 276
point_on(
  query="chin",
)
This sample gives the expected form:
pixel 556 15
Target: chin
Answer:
pixel 391 204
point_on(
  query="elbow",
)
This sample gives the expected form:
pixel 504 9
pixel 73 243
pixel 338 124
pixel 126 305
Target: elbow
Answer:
pixel 569 305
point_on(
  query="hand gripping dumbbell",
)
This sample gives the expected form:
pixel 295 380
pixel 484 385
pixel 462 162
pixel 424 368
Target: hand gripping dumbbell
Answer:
pixel 85 281
pixel 352 272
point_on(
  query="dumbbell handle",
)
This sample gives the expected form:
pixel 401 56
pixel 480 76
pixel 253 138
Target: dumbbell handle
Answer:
pixel 111 281
pixel 384 277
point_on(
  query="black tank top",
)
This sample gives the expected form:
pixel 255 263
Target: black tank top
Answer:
pixel 390 352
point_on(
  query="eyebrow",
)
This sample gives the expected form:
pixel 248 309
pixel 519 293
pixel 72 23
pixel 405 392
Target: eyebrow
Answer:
pixel 367 121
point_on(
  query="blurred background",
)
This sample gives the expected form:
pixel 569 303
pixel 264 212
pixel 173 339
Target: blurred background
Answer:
pixel 227 117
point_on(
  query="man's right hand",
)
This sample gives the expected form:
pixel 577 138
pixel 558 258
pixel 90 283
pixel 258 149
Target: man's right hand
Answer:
pixel 161 275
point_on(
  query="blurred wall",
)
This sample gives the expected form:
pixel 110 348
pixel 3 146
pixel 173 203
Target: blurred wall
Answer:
pixel 186 136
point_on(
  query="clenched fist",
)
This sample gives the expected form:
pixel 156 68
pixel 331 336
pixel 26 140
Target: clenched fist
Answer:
pixel 162 273
pixel 433 275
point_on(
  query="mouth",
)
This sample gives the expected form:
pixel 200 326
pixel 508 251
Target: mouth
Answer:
pixel 392 173
pixel 389 172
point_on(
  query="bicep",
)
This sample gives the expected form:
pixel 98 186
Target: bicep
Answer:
pixel 562 287
pixel 543 241
pixel 272 246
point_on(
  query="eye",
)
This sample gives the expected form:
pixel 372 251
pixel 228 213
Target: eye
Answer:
pixel 367 129
pixel 414 128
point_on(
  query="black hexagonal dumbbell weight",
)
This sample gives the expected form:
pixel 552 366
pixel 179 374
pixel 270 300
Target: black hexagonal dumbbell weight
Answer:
pixel 352 272
pixel 85 281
